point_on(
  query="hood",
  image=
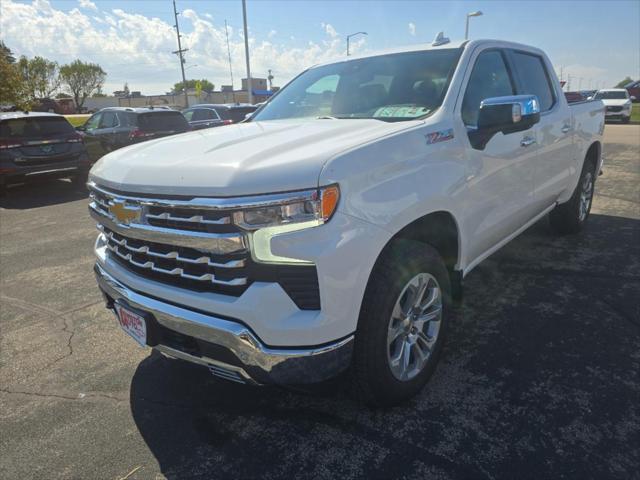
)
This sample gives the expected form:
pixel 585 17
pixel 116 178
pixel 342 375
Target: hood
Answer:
pixel 234 160
pixel 615 102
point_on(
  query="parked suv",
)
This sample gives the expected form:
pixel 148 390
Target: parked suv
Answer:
pixel 116 127
pixel 617 103
pixel 37 144
pixel 213 115
pixel 333 228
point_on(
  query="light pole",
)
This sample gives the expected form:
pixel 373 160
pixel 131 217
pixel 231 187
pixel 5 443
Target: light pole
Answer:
pixel 246 52
pixel 353 35
pixel 466 28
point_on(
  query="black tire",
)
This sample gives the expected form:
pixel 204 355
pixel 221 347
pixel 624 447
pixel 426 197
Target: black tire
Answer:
pixel 373 380
pixel 626 119
pixel 79 181
pixel 565 218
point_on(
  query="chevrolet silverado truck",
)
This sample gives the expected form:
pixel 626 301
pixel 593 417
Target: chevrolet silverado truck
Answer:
pixel 330 232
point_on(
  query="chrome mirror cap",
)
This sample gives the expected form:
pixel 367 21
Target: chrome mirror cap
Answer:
pixel 521 105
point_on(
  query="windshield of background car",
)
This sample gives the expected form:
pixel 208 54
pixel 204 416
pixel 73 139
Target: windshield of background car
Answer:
pixel 611 95
pixel 163 121
pixel 35 127
pixel 394 87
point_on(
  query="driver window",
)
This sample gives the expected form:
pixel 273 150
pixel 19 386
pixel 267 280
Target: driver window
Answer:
pixel 188 114
pixel 489 78
pixel 109 120
pixel 93 122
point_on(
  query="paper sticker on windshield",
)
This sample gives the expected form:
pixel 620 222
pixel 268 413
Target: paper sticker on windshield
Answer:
pixel 401 111
pixel 441 136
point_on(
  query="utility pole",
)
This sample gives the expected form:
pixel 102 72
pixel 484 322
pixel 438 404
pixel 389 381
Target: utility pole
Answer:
pixel 226 31
pixel 179 52
pixel 246 51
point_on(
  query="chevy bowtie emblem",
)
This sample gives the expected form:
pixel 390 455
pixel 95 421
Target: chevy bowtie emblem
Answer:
pixel 125 213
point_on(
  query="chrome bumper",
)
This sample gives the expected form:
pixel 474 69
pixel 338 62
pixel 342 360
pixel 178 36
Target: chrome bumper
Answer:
pixel 243 357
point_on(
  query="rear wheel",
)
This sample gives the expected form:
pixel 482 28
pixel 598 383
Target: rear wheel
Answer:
pixel 79 181
pixel 571 216
pixel 402 324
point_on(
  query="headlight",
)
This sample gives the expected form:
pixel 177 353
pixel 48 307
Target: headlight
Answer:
pixel 285 213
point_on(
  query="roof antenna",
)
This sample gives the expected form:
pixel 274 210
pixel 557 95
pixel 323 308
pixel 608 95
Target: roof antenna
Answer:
pixel 440 40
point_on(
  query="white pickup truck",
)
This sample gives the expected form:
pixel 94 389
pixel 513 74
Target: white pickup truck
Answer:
pixel 331 231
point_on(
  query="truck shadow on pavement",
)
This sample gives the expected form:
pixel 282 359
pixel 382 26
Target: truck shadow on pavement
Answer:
pixel 540 373
pixel 41 194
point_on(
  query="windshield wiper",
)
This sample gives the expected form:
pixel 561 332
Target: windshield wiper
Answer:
pixel 326 117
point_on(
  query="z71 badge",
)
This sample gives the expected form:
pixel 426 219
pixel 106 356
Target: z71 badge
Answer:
pixel 441 136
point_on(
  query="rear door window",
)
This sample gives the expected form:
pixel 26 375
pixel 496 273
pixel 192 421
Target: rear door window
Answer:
pixel 534 78
pixel 35 127
pixel 164 121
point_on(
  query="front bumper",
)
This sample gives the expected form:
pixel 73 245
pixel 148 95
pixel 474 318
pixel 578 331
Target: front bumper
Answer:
pixel 228 348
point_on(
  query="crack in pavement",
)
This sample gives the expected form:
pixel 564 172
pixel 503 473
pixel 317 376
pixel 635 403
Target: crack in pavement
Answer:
pixel 42 310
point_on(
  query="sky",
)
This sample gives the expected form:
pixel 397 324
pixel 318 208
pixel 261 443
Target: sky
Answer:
pixel 596 43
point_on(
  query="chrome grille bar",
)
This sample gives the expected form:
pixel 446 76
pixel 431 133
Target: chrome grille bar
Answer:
pixel 149 265
pixel 193 219
pixel 173 255
pixel 220 243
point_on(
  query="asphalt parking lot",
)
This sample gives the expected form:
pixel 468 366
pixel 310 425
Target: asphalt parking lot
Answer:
pixel 540 378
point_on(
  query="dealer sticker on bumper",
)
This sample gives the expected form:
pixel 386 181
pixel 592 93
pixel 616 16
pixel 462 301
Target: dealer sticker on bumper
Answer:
pixel 133 324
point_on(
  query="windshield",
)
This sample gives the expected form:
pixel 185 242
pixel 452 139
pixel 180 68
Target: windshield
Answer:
pixel 394 87
pixel 611 95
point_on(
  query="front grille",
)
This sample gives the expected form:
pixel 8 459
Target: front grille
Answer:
pixel 614 109
pixel 194 247
pixel 182 267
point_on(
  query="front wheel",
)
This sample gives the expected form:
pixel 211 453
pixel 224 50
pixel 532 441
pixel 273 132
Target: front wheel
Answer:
pixel 402 324
pixel 626 119
pixel 571 216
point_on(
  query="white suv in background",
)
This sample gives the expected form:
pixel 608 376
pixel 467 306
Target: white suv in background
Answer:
pixel 617 103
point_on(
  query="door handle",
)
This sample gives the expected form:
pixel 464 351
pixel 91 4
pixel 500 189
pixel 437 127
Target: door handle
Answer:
pixel 566 128
pixel 526 141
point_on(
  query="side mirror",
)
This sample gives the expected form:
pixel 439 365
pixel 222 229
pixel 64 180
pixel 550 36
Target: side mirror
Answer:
pixel 632 98
pixel 510 114
pixel 248 116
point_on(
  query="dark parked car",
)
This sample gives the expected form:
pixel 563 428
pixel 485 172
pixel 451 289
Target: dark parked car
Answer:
pixel 116 127
pixel 216 115
pixel 37 144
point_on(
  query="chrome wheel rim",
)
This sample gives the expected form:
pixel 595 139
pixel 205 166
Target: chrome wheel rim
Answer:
pixel 414 326
pixel 586 195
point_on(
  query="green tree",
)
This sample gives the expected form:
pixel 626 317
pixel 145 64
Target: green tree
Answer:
pixel 6 53
pixel 622 83
pixel 205 86
pixel 11 85
pixel 82 80
pixel 39 76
